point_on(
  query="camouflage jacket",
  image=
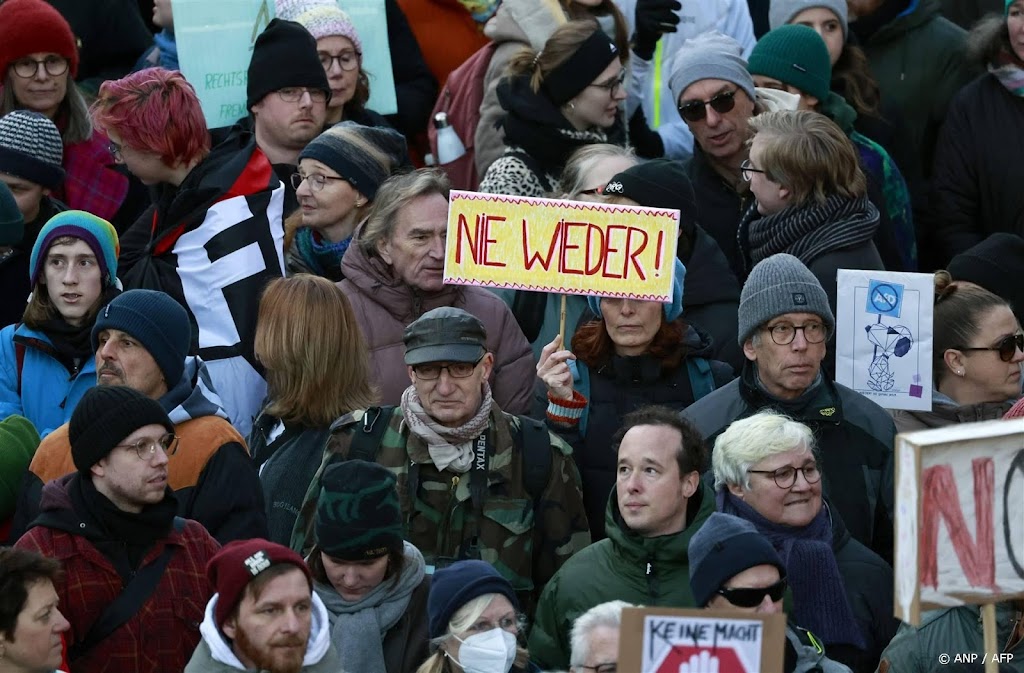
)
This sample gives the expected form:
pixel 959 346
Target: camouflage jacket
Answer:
pixel 526 541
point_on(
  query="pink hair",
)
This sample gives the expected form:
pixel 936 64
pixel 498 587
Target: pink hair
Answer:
pixel 154 110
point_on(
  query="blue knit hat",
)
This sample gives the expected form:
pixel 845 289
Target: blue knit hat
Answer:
pixel 159 323
pixel 458 584
pixel 723 547
pixel 672 309
pixel 97 233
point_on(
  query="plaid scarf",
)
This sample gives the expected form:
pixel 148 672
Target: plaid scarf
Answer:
pixel 448 447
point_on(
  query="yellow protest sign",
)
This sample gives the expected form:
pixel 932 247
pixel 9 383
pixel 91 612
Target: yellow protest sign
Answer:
pixel 569 247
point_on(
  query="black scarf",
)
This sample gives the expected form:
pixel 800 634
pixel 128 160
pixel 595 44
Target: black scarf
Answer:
pixel 537 126
pixel 809 231
pixel 72 343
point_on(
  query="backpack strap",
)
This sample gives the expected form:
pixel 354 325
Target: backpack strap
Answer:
pixel 19 356
pixel 535 448
pixel 702 381
pixel 367 435
pixel 129 601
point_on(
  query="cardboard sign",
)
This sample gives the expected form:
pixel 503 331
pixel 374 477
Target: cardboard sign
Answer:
pixel 884 337
pixel 959 516
pixel 666 640
pixel 569 247
pixel 371 23
pixel 215 41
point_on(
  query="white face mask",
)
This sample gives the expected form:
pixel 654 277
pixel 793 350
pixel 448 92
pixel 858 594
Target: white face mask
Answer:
pixel 489 652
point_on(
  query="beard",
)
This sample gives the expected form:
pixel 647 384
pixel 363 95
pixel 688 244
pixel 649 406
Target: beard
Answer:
pixel 284 655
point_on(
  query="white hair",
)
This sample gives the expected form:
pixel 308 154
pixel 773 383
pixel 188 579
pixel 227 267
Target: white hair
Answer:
pixel 748 441
pixel 606 614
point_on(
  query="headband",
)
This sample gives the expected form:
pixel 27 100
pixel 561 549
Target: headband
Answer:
pixel 577 72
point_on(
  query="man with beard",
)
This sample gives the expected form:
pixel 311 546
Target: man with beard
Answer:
pixel 134 582
pixel 141 339
pixel 264 616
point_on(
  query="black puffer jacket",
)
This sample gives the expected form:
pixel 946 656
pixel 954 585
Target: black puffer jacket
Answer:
pixel 711 298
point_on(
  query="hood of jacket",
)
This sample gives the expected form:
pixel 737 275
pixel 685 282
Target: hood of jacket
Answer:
pixel 220 650
pixel 194 395
pixel 838 110
pixel 820 403
pixel 946 412
pixel 530 22
pixel 915 14
pixel 709 279
pixel 664 549
pixel 378 283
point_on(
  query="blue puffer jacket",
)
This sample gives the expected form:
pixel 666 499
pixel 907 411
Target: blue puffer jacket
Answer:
pixel 49 390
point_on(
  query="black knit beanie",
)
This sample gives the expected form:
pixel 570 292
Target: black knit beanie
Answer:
pixel 284 56
pixel 358 515
pixel 104 417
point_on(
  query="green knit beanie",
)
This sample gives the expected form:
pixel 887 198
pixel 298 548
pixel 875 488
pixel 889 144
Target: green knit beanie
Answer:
pixel 796 55
pixel 18 443
pixel 358 514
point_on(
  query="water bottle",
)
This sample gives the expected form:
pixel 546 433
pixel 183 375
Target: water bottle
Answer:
pixel 449 146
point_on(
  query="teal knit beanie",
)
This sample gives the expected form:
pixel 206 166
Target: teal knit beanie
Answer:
pixel 97 233
pixel 18 443
pixel 796 55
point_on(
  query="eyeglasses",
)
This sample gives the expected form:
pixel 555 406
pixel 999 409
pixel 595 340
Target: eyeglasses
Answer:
pixel 115 151
pixel 784 333
pixel 595 190
pixel 347 60
pixel 293 94
pixel 611 667
pixel 751 598
pixel 456 370
pixel 611 85
pixel 695 110
pixel 26 68
pixel 316 180
pixel 785 477
pixel 509 622
pixel 746 168
pixel 146 448
pixel 1007 347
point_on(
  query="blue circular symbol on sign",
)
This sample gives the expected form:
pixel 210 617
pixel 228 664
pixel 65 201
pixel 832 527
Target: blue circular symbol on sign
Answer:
pixel 884 298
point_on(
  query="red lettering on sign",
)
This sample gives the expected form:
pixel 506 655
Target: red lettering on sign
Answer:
pixel 530 259
pixel 479 240
pixel 632 254
pixel 563 264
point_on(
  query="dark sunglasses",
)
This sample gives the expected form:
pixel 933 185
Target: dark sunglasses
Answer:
pixel 1007 347
pixel 751 598
pixel 695 110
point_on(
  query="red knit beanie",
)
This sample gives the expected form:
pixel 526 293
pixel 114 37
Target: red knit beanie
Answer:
pixel 238 563
pixel 31 26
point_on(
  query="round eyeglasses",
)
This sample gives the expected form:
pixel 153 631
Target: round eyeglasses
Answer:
pixel 784 333
pixel 1007 347
pixel 347 60
pixel 316 180
pixel 146 448
pixel 785 477
pixel 293 94
pixel 54 65
pixel 695 110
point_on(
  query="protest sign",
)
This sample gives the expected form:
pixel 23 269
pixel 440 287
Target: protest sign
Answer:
pixel 666 640
pixel 548 245
pixel 215 41
pixel 884 337
pixel 371 23
pixel 959 528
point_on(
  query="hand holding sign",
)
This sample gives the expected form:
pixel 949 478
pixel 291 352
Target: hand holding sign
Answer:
pixel 553 369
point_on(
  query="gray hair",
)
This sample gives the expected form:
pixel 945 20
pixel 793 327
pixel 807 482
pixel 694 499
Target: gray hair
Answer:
pixel 748 441
pixel 394 194
pixel 606 614
pixel 582 161
pixel 79 124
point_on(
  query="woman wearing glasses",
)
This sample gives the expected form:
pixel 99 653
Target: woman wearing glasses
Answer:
pixel 38 63
pixel 766 472
pixel 339 173
pixel 556 100
pixel 734 567
pixel 977 362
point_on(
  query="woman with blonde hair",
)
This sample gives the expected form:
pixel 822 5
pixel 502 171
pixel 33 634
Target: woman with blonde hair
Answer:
pixel 317 370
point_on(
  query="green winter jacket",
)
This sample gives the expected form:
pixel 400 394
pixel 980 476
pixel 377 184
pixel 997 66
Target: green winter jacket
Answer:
pixel 624 566
pixel 951 632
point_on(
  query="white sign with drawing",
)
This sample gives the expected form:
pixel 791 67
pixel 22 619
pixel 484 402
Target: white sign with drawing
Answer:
pixel 884 337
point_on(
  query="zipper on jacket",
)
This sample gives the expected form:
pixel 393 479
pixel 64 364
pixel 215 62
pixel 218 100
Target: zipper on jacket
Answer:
pixel 652 582
pixel 445 525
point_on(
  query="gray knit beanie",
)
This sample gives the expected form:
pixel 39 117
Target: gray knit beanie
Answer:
pixel 364 155
pixel 782 12
pixel 31 148
pixel 778 285
pixel 723 547
pixel 710 55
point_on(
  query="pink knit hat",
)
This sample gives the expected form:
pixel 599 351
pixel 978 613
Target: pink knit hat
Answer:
pixel 322 18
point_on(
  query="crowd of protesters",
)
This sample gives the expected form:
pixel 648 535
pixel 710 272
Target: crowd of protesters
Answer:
pixel 245 425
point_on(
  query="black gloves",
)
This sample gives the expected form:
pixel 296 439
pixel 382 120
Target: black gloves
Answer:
pixel 646 142
pixel 653 18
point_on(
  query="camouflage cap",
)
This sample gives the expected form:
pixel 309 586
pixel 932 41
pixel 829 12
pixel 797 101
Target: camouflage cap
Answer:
pixel 445 334
pixel 358 515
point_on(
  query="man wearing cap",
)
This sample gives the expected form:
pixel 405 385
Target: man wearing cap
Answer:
pixel 784 322
pixel 264 615
pixel 475 481
pixel 31 165
pixel 135 581
pixel 656 505
pixel 141 340
pixel 734 567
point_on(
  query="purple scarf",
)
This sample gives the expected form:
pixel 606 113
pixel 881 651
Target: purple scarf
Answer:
pixel 819 595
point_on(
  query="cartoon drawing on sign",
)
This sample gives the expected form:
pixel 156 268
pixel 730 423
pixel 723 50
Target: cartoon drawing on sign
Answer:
pixel 890 339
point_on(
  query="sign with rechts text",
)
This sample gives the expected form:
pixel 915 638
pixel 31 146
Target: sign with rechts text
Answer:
pixel 666 640
pixel 568 247
pixel 959 516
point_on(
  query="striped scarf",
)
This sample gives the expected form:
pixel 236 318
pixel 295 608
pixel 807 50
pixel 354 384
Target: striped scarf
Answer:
pixel 809 231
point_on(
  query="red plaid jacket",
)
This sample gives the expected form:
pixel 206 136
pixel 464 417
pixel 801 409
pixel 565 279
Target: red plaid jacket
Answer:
pixel 161 637
pixel 90 184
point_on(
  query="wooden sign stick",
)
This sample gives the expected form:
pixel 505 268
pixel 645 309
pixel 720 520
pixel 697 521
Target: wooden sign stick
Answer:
pixel 561 323
pixel 988 625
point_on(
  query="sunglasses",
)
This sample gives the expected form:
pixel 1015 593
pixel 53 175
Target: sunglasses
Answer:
pixel 751 598
pixel 695 110
pixel 1007 347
